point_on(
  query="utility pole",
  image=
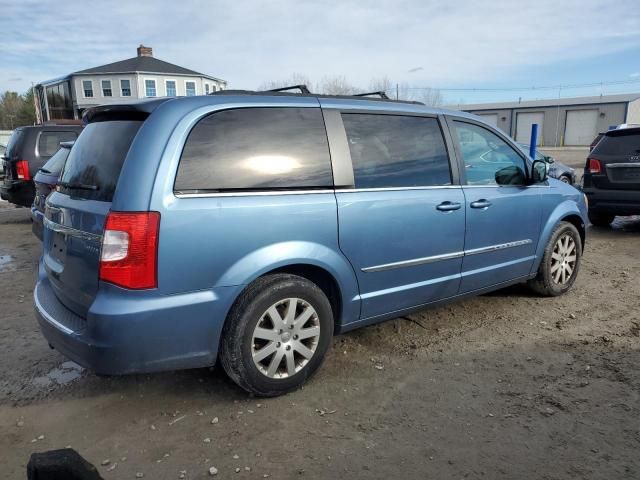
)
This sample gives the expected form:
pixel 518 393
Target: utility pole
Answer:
pixel 397 91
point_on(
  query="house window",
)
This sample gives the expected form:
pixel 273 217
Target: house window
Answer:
pixel 87 88
pixel 150 88
pixel 171 88
pixel 213 87
pixel 125 88
pixel 106 88
pixel 190 88
pixel 206 88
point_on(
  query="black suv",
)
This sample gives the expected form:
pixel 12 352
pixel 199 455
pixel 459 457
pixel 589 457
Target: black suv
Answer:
pixel 612 176
pixel 28 150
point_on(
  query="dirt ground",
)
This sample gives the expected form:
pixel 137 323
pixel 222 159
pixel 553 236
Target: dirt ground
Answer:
pixel 506 385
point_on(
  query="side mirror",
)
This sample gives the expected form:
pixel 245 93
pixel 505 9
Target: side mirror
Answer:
pixel 539 171
pixel 511 175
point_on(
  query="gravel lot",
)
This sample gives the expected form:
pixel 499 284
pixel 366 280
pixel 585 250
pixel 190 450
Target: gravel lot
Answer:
pixel 507 385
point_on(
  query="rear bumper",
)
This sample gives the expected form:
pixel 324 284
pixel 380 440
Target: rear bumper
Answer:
pixel 18 192
pixel 133 333
pixel 618 202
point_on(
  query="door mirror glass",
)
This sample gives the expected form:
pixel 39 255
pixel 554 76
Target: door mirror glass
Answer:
pixel 511 175
pixel 539 171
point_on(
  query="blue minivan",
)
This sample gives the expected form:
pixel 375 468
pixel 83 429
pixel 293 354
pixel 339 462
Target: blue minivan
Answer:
pixel 250 227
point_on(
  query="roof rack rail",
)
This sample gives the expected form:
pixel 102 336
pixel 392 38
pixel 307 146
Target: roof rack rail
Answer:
pixel 380 93
pixel 302 88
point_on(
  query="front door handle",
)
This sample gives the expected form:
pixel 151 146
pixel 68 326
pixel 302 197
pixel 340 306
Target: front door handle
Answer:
pixel 481 204
pixel 448 206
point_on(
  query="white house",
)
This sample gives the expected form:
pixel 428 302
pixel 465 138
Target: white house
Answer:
pixel 142 76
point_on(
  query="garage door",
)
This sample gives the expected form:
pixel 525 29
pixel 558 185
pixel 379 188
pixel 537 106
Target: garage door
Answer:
pixel 581 127
pixel 523 126
pixel 490 118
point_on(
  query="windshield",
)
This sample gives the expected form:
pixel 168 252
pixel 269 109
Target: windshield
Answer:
pixel 93 167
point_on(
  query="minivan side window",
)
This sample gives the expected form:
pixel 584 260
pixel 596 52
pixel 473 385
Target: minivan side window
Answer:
pixel 49 142
pixel 256 149
pixel 390 151
pixel 488 160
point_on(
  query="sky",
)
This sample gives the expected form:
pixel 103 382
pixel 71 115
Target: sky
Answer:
pixel 448 45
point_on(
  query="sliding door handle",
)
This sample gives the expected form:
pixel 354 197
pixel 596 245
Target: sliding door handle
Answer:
pixel 448 206
pixel 480 204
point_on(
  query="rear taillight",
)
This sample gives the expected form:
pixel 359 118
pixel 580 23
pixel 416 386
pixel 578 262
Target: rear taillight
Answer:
pixel 594 165
pixel 22 170
pixel 129 249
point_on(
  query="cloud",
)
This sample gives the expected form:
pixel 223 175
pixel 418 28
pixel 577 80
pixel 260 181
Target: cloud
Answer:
pixel 248 42
pixel 634 75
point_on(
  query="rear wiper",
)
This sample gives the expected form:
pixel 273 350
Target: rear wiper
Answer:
pixel 78 186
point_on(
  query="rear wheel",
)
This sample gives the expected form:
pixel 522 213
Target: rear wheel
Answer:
pixel 600 219
pixel 560 262
pixel 277 334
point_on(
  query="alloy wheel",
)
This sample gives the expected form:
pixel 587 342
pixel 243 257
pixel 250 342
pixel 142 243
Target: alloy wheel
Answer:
pixel 285 338
pixel 563 259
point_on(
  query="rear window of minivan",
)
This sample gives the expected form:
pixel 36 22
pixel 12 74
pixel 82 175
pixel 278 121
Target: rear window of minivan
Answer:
pixel 94 164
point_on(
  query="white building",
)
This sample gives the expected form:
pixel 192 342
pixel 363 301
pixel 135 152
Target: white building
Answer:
pixel 142 76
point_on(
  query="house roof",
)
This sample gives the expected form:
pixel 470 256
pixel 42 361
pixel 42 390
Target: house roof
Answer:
pixel 619 98
pixel 146 64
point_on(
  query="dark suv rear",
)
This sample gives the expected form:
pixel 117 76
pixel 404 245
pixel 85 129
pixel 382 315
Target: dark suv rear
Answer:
pixel 612 176
pixel 28 150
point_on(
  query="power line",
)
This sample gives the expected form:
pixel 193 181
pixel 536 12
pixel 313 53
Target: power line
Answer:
pixel 516 89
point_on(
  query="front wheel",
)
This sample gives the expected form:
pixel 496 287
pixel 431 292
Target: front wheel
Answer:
pixel 276 335
pixel 565 179
pixel 560 263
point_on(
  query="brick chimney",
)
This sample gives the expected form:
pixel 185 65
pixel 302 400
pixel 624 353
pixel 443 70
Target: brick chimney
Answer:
pixel 145 51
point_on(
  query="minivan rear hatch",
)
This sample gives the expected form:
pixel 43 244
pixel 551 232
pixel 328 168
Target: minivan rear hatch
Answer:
pixel 75 214
pixel 618 153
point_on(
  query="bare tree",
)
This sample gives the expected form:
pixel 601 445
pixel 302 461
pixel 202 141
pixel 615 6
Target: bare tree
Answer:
pixel 430 96
pixel 339 85
pixel 383 84
pixel 336 85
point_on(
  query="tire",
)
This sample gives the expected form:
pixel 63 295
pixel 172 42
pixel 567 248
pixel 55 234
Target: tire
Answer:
pixel 600 219
pixel 565 179
pixel 550 280
pixel 242 343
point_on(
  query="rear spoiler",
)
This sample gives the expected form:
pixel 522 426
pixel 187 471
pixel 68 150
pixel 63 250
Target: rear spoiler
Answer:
pixel 128 111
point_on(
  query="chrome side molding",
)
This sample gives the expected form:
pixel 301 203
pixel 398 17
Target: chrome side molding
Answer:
pixel 446 256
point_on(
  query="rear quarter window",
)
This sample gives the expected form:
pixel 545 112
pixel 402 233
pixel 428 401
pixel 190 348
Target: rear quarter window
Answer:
pixel 49 141
pixel 95 161
pixel 256 149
